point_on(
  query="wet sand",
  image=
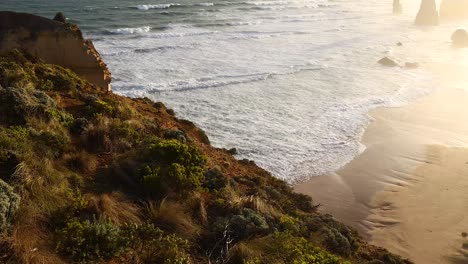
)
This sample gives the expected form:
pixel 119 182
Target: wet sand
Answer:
pixel 408 191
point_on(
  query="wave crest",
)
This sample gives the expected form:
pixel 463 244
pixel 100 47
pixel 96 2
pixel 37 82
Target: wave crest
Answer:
pixel 130 31
pixel 158 6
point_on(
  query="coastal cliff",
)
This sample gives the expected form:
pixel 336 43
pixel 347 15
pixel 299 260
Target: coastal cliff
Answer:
pixel 55 43
pixel 88 176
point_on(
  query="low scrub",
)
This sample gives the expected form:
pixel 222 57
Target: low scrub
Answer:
pixel 173 166
pixel 9 204
pixel 87 241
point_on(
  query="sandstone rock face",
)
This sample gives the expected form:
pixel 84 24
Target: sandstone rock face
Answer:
pixel 454 9
pixel 427 15
pixel 55 43
pixel 460 38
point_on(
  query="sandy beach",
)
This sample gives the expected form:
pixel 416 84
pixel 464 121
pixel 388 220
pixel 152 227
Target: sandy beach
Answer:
pixel 408 191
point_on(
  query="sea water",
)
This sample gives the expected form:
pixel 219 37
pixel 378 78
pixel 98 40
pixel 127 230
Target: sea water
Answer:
pixel 289 83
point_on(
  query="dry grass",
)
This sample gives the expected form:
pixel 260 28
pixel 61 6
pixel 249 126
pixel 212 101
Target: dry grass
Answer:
pixel 82 161
pixel 261 206
pixel 116 207
pixel 232 197
pixel 173 217
pixel 31 239
pixel 241 252
pixel 30 245
pixel 198 206
pixel 96 137
pixel 235 200
pixel 110 135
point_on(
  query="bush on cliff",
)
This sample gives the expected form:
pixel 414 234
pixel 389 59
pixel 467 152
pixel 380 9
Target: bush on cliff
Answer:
pixel 18 105
pixel 293 249
pixel 9 204
pixel 282 247
pixel 173 166
pixel 100 239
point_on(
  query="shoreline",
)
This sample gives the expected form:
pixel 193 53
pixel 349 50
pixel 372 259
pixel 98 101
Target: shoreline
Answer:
pixel 407 149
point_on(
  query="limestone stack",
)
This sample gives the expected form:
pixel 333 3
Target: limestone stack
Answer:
pixel 427 15
pixel 397 9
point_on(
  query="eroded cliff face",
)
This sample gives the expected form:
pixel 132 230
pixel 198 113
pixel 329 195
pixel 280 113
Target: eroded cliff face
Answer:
pixel 55 43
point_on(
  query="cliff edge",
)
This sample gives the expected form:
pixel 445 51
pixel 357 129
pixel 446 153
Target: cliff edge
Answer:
pixel 55 43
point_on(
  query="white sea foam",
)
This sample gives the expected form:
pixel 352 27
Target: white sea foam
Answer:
pixel 158 6
pixel 126 31
pixel 205 4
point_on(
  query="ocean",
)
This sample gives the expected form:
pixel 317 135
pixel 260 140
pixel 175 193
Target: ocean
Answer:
pixel 289 83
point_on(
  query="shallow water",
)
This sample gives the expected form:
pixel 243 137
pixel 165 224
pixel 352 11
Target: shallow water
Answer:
pixel 288 83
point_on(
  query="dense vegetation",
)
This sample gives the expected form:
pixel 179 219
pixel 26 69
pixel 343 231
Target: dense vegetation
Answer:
pixel 89 176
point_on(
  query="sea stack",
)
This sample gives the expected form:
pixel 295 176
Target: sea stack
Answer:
pixel 397 9
pixel 55 42
pixel 454 9
pixel 460 38
pixel 427 15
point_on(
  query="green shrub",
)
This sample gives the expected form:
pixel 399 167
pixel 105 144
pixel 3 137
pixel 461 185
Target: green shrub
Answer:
pixel 63 118
pixel 337 242
pixel 174 166
pixel 56 78
pixel 151 245
pixel 289 223
pixel 298 250
pixel 249 222
pixel 50 144
pixel 339 239
pixel 173 151
pixel 13 75
pixel 107 105
pixel 85 240
pixel 9 204
pixel 215 180
pixel 18 105
pixel 152 180
pixel 246 224
pixel 103 107
pixel 15 139
pixel 15 70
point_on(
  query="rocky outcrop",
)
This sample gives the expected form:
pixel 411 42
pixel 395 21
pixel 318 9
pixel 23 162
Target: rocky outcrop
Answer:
pixel 55 43
pixel 427 15
pixel 454 9
pixel 60 17
pixel 460 38
pixel 386 61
